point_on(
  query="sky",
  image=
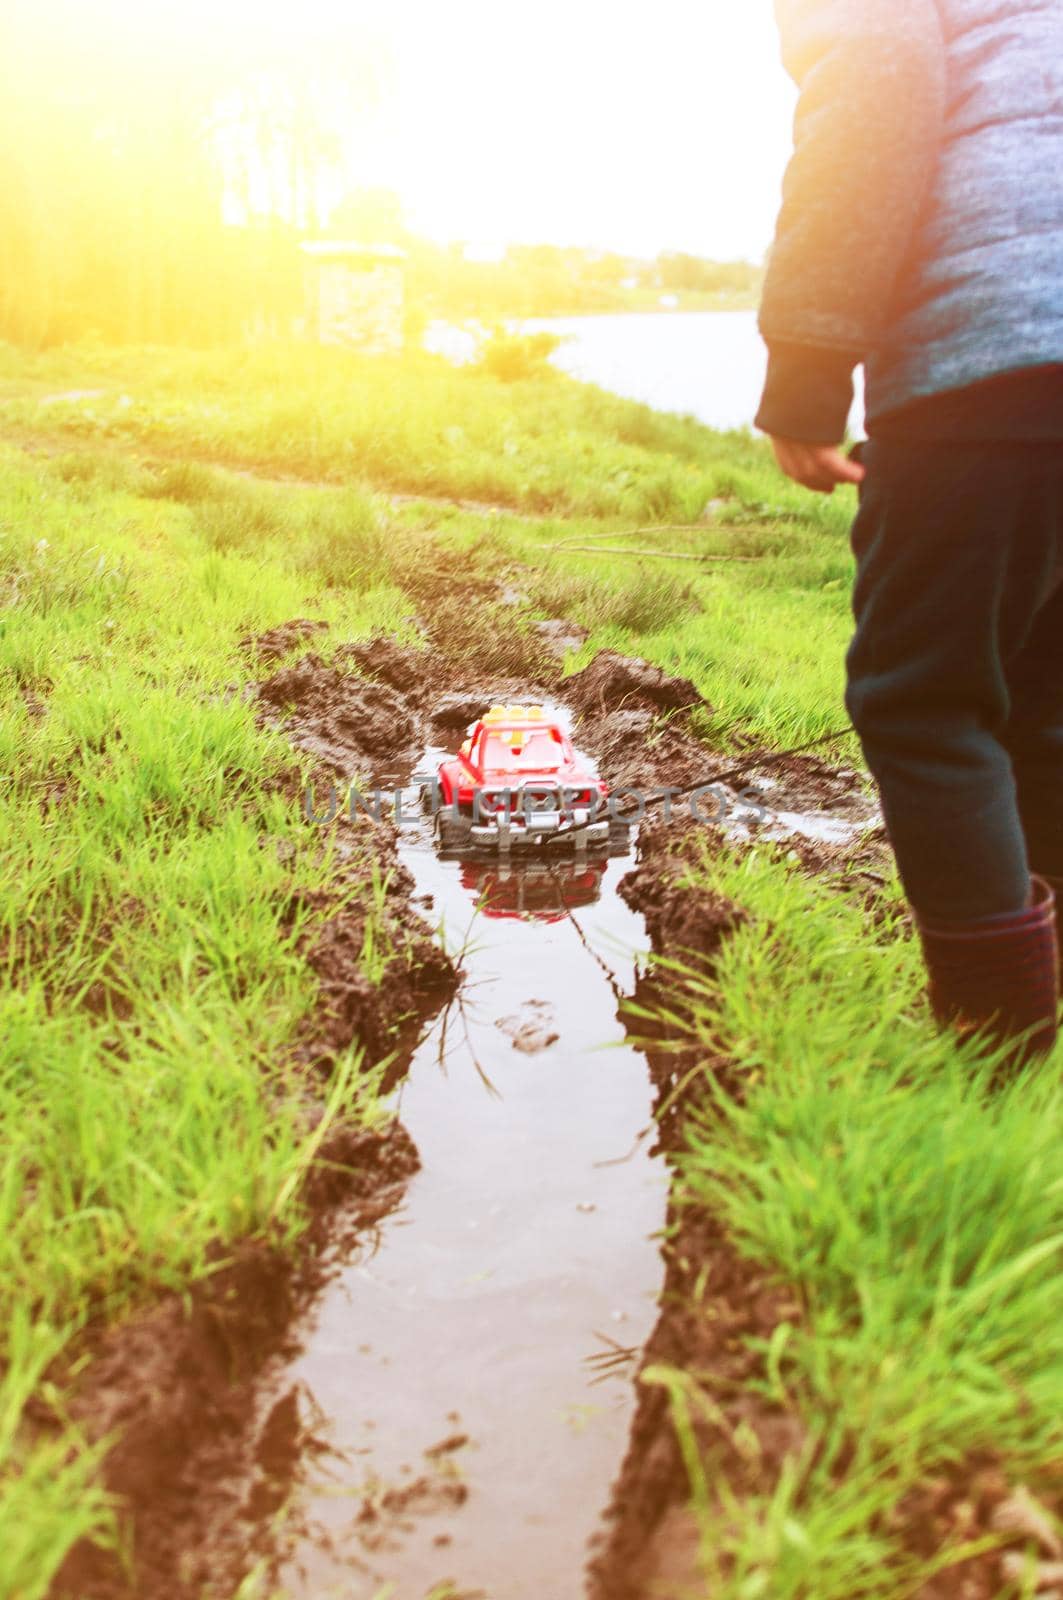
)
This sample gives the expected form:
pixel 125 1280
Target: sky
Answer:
pixel 598 123
pixel 587 122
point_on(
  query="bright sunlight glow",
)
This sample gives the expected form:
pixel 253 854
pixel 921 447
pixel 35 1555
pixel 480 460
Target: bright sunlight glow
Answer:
pixel 572 122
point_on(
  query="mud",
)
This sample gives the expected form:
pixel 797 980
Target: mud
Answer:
pixel 218 1432
pixel 640 752
pixel 452 713
pixel 614 682
pixel 683 921
pixel 276 643
pixel 383 1016
pixel 369 707
pixel 347 724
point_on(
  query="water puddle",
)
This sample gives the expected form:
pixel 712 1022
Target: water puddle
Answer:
pixel 471 1370
pixel 854 816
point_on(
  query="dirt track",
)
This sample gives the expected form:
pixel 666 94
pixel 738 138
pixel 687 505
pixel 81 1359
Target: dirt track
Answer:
pixel 201 1463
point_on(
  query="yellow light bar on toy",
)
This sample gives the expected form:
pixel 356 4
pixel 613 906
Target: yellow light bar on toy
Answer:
pixel 518 714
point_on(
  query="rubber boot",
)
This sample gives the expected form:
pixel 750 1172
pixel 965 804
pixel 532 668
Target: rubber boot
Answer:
pixel 1056 885
pixel 999 979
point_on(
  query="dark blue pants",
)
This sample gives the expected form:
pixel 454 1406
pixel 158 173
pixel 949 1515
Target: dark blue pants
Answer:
pixel 956 669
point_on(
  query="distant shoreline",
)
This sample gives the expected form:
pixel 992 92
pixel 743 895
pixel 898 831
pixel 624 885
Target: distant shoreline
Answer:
pixel 629 311
pixel 640 305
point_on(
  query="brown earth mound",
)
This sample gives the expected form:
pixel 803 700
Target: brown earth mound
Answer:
pixel 377 1016
pixel 639 750
pixel 614 682
pixel 279 642
pixel 682 920
pixel 349 723
pixel 403 668
pixel 452 713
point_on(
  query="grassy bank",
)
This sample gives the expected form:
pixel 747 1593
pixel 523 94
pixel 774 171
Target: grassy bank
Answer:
pixel 153 870
pixel 584 466
pixel 156 985
pixel 413 424
pixel 916 1214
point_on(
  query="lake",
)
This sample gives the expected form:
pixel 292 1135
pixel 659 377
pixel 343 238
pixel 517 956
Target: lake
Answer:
pixel 709 364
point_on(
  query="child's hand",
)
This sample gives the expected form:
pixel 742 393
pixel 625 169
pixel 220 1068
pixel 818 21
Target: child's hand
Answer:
pixel 816 466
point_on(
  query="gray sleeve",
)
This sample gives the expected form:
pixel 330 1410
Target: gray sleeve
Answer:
pixel 867 133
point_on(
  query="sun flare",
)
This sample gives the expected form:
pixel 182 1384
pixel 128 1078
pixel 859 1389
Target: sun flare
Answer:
pixel 207 136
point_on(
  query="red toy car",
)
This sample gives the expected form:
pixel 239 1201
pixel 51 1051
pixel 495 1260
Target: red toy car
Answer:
pixel 517 779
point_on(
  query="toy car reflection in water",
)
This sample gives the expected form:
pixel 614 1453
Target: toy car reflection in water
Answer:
pixel 532 892
pixel 516 780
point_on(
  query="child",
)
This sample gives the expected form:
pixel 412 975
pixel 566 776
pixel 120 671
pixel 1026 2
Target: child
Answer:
pixel 921 233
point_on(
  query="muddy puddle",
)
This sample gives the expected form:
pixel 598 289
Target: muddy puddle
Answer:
pixel 470 1371
pixel 450 1416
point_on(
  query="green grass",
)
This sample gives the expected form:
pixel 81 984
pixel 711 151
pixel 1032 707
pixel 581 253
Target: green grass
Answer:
pixel 153 987
pixel 412 424
pixel 917 1214
pixel 763 638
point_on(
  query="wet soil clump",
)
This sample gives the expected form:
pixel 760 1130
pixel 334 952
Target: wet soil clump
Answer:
pixel 276 643
pixel 684 920
pixel 613 682
pixel 638 750
pixel 348 723
pixel 379 1016
pixel 452 713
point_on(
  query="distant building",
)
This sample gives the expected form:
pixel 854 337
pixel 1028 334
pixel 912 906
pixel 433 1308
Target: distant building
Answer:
pixel 354 294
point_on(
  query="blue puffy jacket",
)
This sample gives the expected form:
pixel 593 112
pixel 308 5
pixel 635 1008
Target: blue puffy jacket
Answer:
pixel 922 223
